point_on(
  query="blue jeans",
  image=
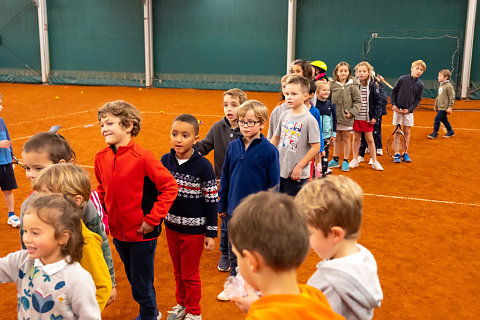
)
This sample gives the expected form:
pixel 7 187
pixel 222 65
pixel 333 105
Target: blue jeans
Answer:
pixel 224 237
pixel 137 258
pixel 291 187
pixel 231 256
pixel 441 116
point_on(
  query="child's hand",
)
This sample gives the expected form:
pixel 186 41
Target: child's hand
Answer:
pixel 404 111
pixel 296 173
pixel 244 303
pixel 435 108
pixel 222 214
pixel 113 296
pixel 5 144
pixel 322 154
pixel 209 243
pixel 218 184
pixel 449 110
pixel 394 108
pixel 348 115
pixel 145 228
pixel 332 140
pixel 373 121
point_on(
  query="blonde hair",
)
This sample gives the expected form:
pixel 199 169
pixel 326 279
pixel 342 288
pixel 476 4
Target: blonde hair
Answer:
pixel 64 178
pixel 446 73
pixel 285 78
pixel 237 94
pixel 322 83
pixel 420 63
pixel 259 109
pixel 333 201
pixel 126 112
pixel 341 64
pixel 366 65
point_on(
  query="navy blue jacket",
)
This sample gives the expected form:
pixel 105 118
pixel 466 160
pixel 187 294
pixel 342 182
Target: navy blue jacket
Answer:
pixel 247 171
pixel 376 102
pixel 194 211
pixel 407 93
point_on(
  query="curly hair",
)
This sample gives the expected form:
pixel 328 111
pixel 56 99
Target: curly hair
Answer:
pixel 126 112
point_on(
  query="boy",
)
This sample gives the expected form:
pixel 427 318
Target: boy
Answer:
pixel 297 137
pixel 251 165
pixel 405 97
pixel 191 223
pixel 328 119
pixel 218 137
pixel 443 104
pixel 347 275
pixel 269 255
pixel 7 176
pixel 136 191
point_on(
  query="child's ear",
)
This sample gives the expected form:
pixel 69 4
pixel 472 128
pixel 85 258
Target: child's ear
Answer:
pixel 254 260
pixel 78 200
pixel 338 233
pixel 64 237
pixel 129 127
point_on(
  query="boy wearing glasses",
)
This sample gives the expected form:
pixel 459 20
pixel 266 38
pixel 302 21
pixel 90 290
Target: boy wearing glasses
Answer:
pixel 251 165
pixel 297 137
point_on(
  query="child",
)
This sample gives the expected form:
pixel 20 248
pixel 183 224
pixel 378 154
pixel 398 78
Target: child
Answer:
pixel 137 192
pixel 43 150
pixel 303 68
pixel 297 137
pixel 7 176
pixel 320 68
pixel 316 114
pixel 370 111
pixel 191 223
pixel 377 127
pixel 443 104
pixel 328 119
pixel 251 165
pixel 270 238
pixel 346 96
pixel 50 282
pixel 73 181
pixel 281 107
pixel 347 275
pixel 218 137
pixel 405 97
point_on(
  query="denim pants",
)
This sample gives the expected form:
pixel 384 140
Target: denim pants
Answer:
pixel 441 116
pixel 231 256
pixel 224 237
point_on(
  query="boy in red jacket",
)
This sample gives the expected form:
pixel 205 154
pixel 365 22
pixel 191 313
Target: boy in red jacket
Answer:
pixel 136 191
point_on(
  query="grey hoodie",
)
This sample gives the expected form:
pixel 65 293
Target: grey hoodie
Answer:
pixel 350 284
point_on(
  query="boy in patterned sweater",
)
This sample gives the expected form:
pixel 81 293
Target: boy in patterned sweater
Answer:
pixel 191 223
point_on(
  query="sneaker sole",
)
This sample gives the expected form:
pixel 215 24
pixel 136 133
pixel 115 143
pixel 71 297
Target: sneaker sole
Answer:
pixel 13 224
pixel 223 270
pixel 223 299
pixel 431 137
pixel 449 136
pixel 337 166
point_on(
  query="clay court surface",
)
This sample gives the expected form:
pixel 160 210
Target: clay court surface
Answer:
pixel 420 219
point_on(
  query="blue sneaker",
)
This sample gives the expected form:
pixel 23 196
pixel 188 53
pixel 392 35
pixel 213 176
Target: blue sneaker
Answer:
pixel 345 166
pixel 406 158
pixel 397 158
pixel 449 134
pixel 334 164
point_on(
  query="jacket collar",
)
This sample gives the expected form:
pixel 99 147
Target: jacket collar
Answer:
pixel 123 148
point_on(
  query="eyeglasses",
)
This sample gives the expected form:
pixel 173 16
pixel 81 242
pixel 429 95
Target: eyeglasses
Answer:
pixel 242 123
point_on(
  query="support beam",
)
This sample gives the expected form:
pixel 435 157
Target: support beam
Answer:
pixel 468 48
pixel 43 39
pixel 292 21
pixel 148 35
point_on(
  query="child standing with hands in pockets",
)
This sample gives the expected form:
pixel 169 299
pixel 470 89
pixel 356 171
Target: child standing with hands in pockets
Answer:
pixel 51 284
pixel 345 94
pixel 191 223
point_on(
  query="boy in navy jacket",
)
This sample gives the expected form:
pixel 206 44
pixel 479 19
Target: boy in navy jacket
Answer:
pixel 251 165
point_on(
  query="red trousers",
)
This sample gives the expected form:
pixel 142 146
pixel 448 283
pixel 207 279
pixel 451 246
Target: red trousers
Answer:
pixel 185 252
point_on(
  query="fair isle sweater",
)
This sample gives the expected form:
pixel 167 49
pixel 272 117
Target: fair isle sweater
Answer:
pixel 194 211
pixel 53 291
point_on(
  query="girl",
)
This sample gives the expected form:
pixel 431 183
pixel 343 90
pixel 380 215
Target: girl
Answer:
pixel 304 69
pixel 48 148
pixel 73 181
pixel 346 96
pixel 50 281
pixel 370 112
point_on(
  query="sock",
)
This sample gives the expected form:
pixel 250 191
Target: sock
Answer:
pixel 11 214
pixel 345 160
pixel 335 158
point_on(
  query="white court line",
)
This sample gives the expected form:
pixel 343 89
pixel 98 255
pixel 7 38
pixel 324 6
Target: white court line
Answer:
pixel 88 125
pixel 468 129
pixel 52 117
pixel 193 114
pixel 425 200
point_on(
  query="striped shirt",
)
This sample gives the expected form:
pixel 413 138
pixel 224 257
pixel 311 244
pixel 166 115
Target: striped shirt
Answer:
pixel 362 114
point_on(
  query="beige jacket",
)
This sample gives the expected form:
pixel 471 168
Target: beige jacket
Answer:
pixel 446 96
pixel 346 98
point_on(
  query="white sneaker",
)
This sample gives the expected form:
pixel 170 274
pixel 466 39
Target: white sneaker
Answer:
pixel 353 163
pixel 377 166
pixel 233 287
pixel 371 161
pixel 379 152
pixel 329 171
pixel 360 159
pixel 14 221
pixel 190 316
pixel 178 312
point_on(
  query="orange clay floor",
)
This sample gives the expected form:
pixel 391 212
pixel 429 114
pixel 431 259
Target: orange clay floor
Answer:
pixel 419 219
